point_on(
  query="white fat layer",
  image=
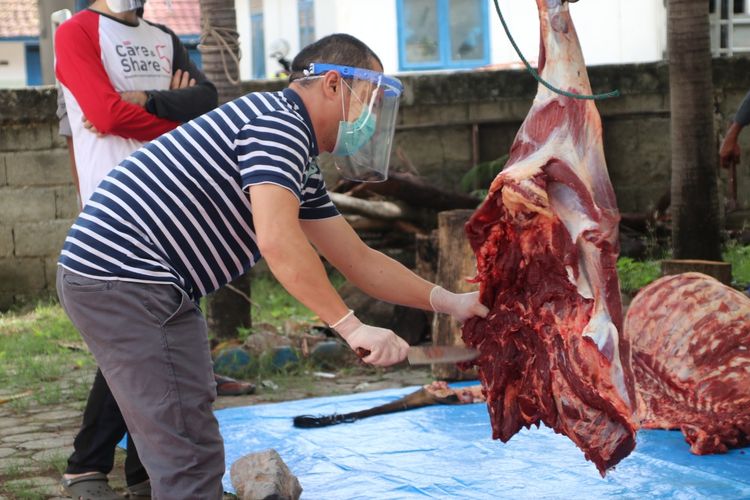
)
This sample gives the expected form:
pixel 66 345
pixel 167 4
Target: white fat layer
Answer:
pixel 567 205
pixel 559 144
pixel 684 373
pixel 583 284
pixel 604 333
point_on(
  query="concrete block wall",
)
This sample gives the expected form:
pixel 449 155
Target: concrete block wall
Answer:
pixel 447 123
pixel 37 198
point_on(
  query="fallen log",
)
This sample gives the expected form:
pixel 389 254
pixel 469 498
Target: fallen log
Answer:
pixel 362 223
pixel 413 190
pixel 376 209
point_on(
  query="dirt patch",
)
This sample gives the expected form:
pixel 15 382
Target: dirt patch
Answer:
pixel 350 381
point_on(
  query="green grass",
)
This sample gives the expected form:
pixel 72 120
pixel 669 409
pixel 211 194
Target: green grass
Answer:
pixel 274 305
pixel 23 490
pixel 739 257
pixel 478 178
pixel 634 275
pixel 34 354
pixel 12 470
pixel 37 348
pixel 57 463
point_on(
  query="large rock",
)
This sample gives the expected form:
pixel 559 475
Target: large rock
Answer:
pixel 332 355
pixel 264 476
pixel 265 338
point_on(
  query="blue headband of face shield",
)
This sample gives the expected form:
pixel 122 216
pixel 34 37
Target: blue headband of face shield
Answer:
pixel 363 144
pixel 360 73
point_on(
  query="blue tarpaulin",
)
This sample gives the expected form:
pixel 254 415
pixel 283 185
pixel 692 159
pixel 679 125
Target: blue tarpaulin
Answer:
pixel 447 452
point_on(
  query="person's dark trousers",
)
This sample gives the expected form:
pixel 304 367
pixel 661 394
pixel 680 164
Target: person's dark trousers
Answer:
pixel 102 428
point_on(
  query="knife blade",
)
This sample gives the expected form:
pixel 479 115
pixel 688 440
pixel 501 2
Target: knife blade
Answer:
pixel 429 354
pixel 433 354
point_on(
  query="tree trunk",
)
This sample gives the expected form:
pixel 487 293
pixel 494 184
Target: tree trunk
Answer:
pixel 219 47
pixel 695 204
pixel 228 308
pixel 456 265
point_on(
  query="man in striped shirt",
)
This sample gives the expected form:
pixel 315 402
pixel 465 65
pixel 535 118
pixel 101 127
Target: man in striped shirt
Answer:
pixel 197 207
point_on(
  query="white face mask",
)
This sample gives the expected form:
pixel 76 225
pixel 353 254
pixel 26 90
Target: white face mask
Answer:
pixel 118 6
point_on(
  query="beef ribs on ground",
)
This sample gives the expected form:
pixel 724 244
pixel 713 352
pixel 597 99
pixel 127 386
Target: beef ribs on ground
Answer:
pixel 546 244
pixel 690 337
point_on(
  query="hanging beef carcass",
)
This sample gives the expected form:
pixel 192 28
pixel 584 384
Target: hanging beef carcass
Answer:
pixel 546 243
pixel 690 338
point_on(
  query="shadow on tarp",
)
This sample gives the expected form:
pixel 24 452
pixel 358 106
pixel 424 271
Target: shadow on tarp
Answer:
pixel 447 452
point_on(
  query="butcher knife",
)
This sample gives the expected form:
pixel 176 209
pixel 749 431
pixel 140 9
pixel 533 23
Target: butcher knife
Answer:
pixel 433 354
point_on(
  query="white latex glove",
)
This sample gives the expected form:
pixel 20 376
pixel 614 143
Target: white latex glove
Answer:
pixel 461 306
pixel 385 347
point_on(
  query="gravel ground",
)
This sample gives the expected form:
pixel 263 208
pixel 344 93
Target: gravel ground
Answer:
pixel 36 439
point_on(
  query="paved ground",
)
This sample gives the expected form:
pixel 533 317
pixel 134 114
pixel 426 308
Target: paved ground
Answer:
pixel 36 439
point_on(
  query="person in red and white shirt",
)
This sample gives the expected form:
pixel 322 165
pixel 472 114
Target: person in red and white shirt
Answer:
pixel 116 71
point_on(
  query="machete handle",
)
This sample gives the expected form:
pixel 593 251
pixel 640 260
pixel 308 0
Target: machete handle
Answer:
pixel 362 352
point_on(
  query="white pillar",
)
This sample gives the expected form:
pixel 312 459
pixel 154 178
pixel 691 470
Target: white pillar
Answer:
pixel 242 9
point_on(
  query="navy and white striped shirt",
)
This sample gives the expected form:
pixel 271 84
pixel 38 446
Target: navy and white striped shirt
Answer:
pixel 177 210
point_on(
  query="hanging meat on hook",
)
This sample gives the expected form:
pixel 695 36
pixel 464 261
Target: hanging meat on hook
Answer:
pixel 546 242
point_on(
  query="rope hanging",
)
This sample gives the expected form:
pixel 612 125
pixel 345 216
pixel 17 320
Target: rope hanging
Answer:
pixel 614 93
pixel 228 41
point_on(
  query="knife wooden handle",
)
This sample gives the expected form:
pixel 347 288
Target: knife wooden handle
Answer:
pixel 362 352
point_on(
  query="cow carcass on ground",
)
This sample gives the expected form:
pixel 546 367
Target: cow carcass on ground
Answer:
pixel 546 242
pixel 690 338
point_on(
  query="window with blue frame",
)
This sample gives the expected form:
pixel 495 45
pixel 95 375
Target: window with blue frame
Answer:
pixel 191 44
pixel 33 64
pixel 306 10
pixel 257 40
pixel 442 34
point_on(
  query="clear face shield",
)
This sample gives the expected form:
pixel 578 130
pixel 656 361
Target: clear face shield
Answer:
pixel 369 109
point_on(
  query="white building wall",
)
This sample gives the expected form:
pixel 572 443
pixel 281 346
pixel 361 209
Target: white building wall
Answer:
pixel 373 22
pixel 523 22
pixel 611 31
pixel 280 20
pixel 326 21
pixel 12 64
pixel 621 31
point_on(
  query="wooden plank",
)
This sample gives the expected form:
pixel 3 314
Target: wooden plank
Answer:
pixel 456 265
pixel 722 271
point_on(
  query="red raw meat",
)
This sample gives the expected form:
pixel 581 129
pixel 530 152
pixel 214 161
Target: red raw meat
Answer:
pixel 690 337
pixel 546 242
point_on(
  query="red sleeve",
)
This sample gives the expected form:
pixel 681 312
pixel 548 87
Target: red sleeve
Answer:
pixel 79 67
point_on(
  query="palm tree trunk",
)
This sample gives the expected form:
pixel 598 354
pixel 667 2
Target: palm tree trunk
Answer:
pixel 219 47
pixel 228 308
pixel 695 205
